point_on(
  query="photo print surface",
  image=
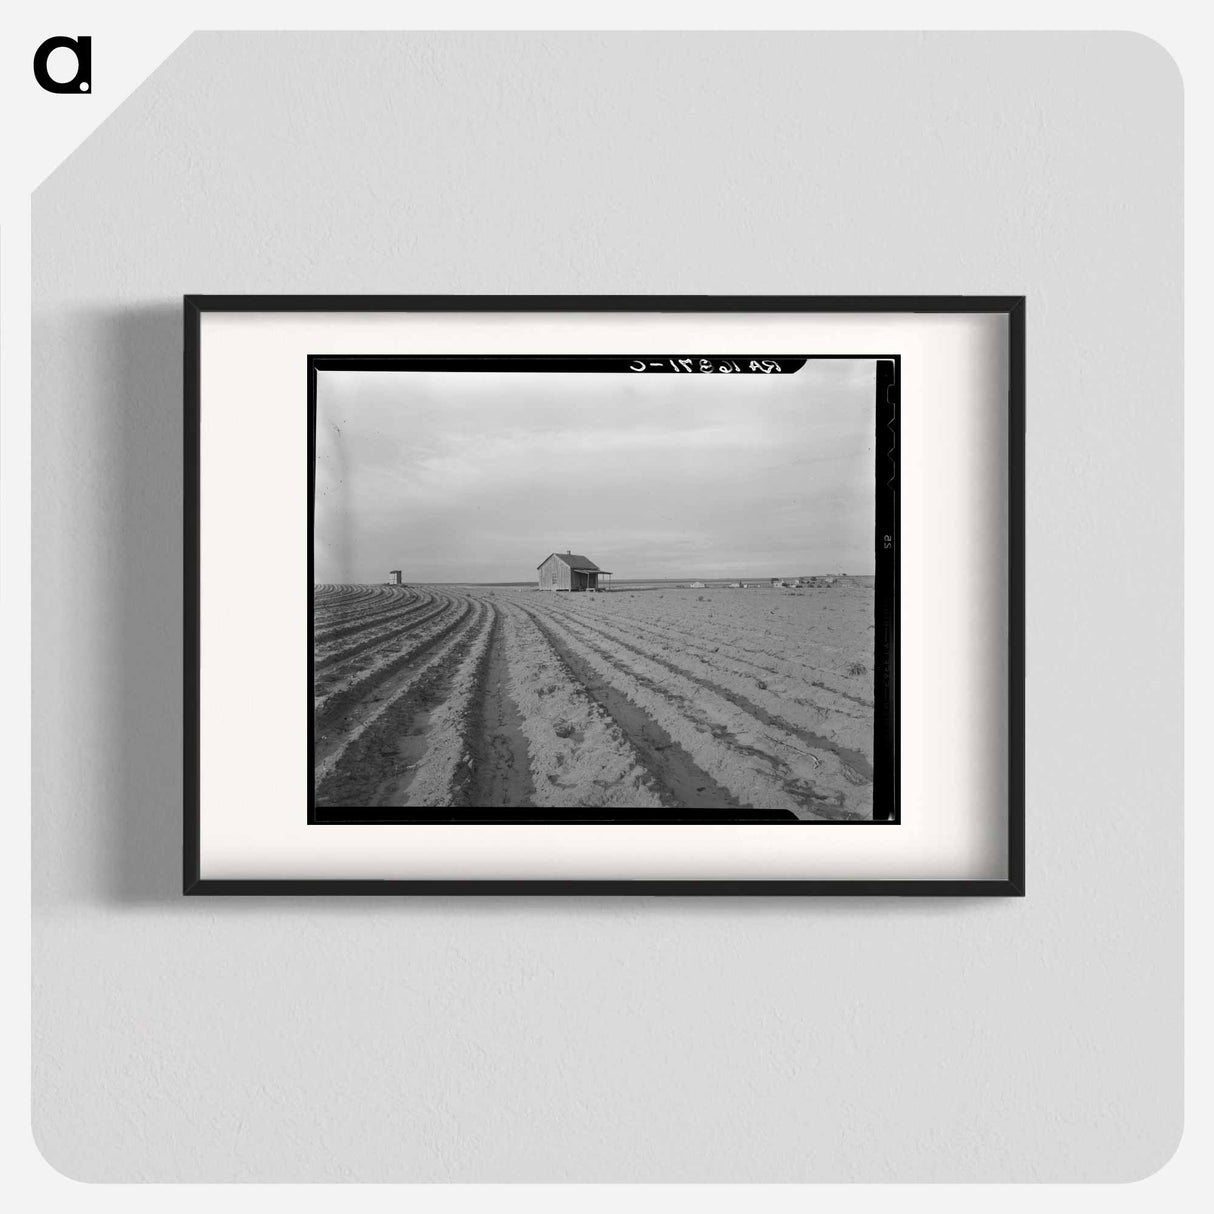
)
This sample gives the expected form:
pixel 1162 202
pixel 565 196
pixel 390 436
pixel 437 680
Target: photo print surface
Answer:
pixel 630 588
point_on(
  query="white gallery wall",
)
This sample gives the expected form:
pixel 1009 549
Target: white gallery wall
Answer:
pixel 620 1039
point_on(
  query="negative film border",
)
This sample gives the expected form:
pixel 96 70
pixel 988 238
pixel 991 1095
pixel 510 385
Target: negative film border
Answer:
pixel 886 543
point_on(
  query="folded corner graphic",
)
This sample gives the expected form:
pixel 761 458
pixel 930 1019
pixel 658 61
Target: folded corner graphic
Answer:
pixel 65 83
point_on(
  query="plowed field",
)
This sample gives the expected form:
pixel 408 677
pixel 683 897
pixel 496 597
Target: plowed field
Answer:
pixel 488 697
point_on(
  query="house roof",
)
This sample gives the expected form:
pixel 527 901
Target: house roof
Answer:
pixel 583 564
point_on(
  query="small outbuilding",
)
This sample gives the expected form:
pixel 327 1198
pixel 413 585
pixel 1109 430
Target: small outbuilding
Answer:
pixel 571 571
pixel 394 577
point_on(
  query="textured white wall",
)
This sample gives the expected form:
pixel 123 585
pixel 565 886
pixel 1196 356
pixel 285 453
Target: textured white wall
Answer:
pixel 626 1039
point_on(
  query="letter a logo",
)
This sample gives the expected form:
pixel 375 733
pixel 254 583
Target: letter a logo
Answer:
pixel 82 81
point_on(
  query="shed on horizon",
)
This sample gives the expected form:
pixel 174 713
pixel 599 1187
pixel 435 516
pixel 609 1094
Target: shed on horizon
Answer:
pixel 570 571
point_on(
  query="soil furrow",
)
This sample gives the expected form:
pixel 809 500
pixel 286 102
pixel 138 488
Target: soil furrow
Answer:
pixel 498 774
pixel 337 684
pixel 327 662
pixel 375 767
pixel 757 776
pixel 383 681
pixel 856 766
pixel 724 645
pixel 350 624
pixel 682 784
pixel 578 755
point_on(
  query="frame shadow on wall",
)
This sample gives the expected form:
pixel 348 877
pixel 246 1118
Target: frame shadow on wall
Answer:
pixel 142 619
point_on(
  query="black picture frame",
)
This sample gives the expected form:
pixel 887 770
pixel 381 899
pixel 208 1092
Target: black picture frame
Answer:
pixel 1011 307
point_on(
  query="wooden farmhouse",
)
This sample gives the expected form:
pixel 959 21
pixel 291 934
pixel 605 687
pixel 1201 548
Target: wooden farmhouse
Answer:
pixel 571 571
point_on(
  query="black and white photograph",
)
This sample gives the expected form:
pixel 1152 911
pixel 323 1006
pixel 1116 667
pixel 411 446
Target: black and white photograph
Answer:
pixel 651 588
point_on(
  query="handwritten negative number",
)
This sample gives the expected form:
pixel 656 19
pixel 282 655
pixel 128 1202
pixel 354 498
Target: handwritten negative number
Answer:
pixel 708 366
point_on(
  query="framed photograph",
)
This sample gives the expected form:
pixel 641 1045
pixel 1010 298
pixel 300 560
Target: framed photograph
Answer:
pixel 604 595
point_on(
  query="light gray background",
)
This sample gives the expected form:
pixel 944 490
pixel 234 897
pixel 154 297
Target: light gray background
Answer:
pixel 631 1039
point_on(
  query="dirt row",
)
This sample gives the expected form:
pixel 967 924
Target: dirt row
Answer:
pixel 367 747
pixel 343 645
pixel 350 622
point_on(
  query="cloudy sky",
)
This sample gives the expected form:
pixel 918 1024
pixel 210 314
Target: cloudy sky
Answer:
pixel 477 476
